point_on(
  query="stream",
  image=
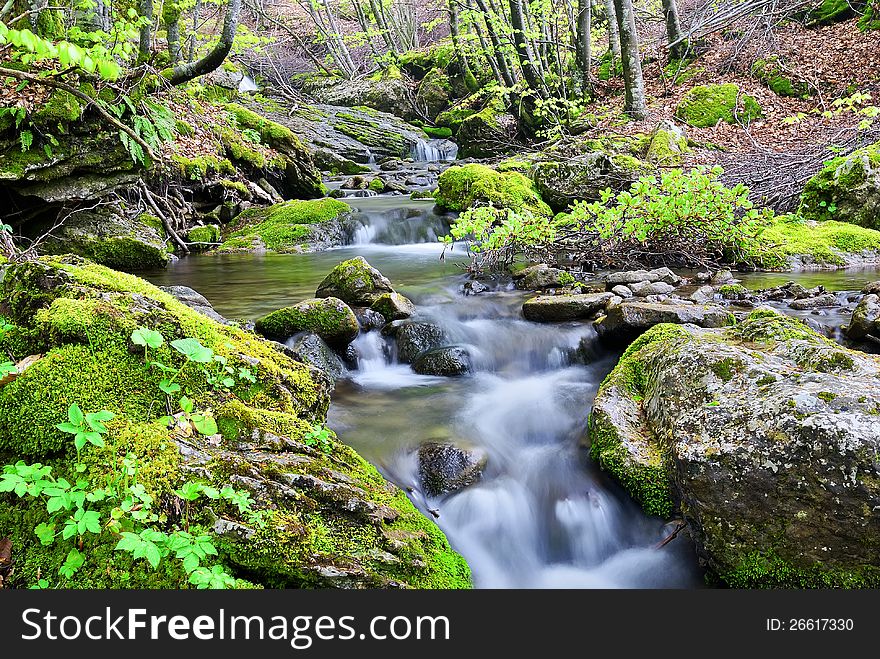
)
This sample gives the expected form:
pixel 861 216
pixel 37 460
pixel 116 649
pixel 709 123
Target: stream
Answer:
pixel 543 515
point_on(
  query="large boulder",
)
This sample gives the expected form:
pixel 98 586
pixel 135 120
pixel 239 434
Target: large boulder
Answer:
pixel 704 106
pixel 462 187
pixel 445 468
pixel 355 282
pixel 391 94
pixel 556 308
pixel 292 226
pixel 413 339
pixel 846 189
pixel 584 177
pixel 329 317
pixel 309 348
pixel 865 320
pixel 540 276
pixel 625 321
pixel 764 435
pixel 447 361
pixel 110 236
pixel 433 93
pixel 487 133
pixel 394 306
pixel 320 516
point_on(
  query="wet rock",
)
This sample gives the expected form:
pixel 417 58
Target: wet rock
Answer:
pixel 723 276
pixel 540 276
pixel 646 288
pixel 873 287
pixel 622 291
pixel 702 277
pixel 473 288
pixel 703 295
pixel 592 286
pixel 195 300
pixel 625 321
pixel 445 468
pixel 555 308
pixel 355 282
pixel 309 348
pixel 415 338
pixel 865 319
pixel 394 306
pixel 664 275
pixel 446 361
pixel 764 435
pixel 826 300
pixel 330 318
pixel 369 319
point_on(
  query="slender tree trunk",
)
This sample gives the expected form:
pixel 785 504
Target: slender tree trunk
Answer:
pixel 191 45
pixel 613 33
pixel 340 42
pixel 635 105
pixel 171 18
pixel 379 14
pixel 365 26
pixel 145 44
pixel 489 55
pixel 584 44
pixel 524 48
pixel 673 29
pixel 185 72
pixel 500 57
pixel 460 55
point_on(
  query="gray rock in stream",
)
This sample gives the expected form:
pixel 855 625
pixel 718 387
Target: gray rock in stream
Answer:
pixel 556 308
pixel 310 348
pixel 195 300
pixel 624 322
pixel 826 300
pixel 415 338
pixel 369 319
pixel 664 275
pixel 448 361
pixel 865 319
pixel 445 468
pixel 764 435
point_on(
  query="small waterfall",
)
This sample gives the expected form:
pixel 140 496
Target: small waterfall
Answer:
pixel 361 193
pixel 247 84
pixel 434 151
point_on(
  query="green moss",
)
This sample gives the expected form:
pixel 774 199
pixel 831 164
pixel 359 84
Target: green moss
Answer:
pixel 419 62
pixel 772 73
pixel 733 291
pixel 441 133
pixel 198 168
pixel 205 234
pixel 460 188
pixel 271 133
pixel 60 109
pixel 831 11
pixel 630 371
pixel 835 191
pixel 282 227
pixel 766 569
pixel 377 185
pixel 454 116
pixel 680 71
pixel 725 368
pixel 706 105
pixel 328 317
pixel 665 148
pixel 825 242
pixel 827 396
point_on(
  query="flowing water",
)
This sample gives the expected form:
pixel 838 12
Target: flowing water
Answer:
pixel 542 515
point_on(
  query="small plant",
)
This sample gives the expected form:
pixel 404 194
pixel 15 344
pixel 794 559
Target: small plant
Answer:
pixel 85 427
pixel 319 436
pixel 6 367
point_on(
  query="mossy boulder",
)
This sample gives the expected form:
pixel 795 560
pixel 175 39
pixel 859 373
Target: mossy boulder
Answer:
pixel 847 189
pixel 453 117
pixel 706 105
pixel 393 306
pixel 773 73
pixel 330 318
pixel 462 187
pixel 667 144
pixel 763 436
pixel 792 243
pixel 625 321
pixel 292 226
pixel 325 517
pixel 110 236
pixel 385 93
pixel 355 282
pixel 433 93
pixel 487 133
pixel 834 11
pixel 207 235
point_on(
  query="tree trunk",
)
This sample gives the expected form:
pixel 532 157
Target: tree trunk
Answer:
pixel 460 55
pixel 145 45
pixel 171 18
pixel 379 14
pixel 191 44
pixel 613 34
pixel 634 84
pixel 500 58
pixel 584 44
pixel 524 48
pixel 489 55
pixel 364 22
pixel 185 72
pixel 673 29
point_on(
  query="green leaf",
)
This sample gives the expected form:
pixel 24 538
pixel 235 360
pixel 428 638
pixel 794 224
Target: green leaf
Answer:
pixel 168 387
pixel 186 405
pixel 46 533
pixel 193 350
pixel 143 336
pixel 75 415
pixel 206 425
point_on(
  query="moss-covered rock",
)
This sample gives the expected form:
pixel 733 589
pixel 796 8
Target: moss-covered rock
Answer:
pixel 330 318
pixel 433 93
pixel 834 11
pixel 111 237
pixel 393 306
pixel 293 226
pixel 453 117
pixel 667 143
pixel 487 133
pixel 355 282
pixel 668 423
pixel 324 518
pixel 463 187
pixel 706 105
pixel 847 189
pixel 774 74
pixel 791 243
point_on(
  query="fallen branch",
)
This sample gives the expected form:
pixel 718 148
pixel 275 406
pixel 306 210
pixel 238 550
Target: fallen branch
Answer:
pixel 151 202
pixel 669 538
